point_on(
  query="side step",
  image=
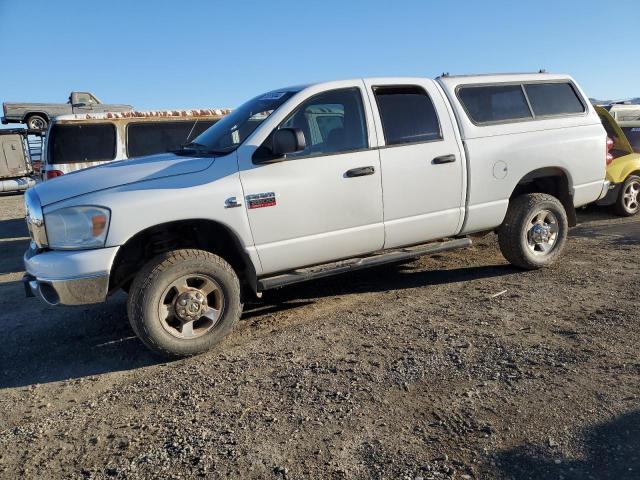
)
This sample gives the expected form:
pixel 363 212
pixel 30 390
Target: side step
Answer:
pixel 358 263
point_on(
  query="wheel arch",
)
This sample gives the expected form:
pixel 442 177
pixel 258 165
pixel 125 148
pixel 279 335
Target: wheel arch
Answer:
pixel 204 234
pixel 554 181
pixel 31 114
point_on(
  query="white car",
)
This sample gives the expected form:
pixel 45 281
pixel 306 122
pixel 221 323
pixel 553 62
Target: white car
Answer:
pixel 309 181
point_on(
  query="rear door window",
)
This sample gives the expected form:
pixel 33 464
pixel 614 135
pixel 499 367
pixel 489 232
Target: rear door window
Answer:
pixel 82 143
pixel 407 114
pixel 148 138
pixel 495 103
pixel 553 99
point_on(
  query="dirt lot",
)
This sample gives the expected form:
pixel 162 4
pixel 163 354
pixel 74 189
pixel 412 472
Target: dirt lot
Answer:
pixel 456 366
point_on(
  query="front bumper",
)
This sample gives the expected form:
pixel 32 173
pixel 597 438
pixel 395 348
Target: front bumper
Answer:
pixel 72 291
pixel 77 277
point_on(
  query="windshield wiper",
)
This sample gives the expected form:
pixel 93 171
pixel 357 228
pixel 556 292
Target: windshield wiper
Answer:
pixel 194 148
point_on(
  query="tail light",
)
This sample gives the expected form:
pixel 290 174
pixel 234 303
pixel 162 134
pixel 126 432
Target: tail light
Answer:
pixel 53 174
pixel 609 156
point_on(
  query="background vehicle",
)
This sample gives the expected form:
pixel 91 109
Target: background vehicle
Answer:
pixel 15 170
pixel 38 115
pixel 312 181
pixel 623 169
pixel 630 125
pixel 75 142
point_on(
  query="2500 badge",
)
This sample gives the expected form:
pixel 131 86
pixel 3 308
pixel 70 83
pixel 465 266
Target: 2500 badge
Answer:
pixel 261 200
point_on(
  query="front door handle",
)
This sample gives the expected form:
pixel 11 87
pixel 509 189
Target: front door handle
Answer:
pixel 444 159
pixel 359 172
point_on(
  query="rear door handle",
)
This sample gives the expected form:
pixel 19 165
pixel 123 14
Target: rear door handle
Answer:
pixel 444 159
pixel 359 172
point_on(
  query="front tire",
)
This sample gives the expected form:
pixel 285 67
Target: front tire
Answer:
pixel 534 231
pixel 184 302
pixel 628 202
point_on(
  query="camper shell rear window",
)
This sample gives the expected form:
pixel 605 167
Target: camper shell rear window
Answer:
pixel 516 102
pixel 82 143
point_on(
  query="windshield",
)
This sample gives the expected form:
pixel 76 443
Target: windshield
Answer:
pixel 227 135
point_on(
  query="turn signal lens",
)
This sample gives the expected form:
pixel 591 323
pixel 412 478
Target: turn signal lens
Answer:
pixel 98 224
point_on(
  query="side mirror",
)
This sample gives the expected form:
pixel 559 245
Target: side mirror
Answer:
pixel 287 140
pixel 281 142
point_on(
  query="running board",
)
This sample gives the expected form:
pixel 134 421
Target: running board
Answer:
pixel 358 263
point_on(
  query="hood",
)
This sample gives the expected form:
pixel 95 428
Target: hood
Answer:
pixel 117 174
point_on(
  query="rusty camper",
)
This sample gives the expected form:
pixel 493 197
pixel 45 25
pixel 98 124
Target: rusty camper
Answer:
pixel 79 141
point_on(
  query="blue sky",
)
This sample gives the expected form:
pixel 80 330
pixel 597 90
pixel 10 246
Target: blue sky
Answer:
pixel 187 53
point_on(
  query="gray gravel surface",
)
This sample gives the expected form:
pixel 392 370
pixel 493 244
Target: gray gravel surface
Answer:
pixel 453 366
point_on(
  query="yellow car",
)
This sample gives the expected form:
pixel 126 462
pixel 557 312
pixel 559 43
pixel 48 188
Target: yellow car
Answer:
pixel 623 169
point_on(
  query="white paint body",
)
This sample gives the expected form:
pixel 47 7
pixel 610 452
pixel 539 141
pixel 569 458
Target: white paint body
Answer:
pixel 321 215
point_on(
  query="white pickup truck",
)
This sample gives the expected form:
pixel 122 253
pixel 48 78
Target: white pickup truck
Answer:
pixel 314 180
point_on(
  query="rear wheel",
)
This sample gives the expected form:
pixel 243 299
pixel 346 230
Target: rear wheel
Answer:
pixel 184 302
pixel 628 202
pixel 37 122
pixel 534 231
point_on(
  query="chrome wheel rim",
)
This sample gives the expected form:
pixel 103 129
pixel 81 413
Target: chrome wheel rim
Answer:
pixel 542 232
pixel 191 306
pixel 631 196
pixel 36 124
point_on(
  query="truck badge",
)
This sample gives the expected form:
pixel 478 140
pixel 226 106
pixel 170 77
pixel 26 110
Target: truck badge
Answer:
pixel 260 200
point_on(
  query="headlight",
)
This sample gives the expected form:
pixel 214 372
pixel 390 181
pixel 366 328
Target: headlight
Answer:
pixel 77 227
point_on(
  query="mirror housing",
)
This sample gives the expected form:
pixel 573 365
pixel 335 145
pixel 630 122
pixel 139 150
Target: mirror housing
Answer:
pixel 279 144
pixel 287 140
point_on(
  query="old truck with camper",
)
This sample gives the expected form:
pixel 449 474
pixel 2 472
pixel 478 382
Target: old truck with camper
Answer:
pixel 309 181
pixel 38 115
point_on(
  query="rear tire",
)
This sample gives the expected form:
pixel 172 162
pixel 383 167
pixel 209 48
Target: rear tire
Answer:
pixel 37 122
pixel 534 231
pixel 628 202
pixel 184 302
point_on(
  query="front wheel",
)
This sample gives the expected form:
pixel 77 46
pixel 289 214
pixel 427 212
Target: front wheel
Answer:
pixel 534 231
pixel 184 302
pixel 628 202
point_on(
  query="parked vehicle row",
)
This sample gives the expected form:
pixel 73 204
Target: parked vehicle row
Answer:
pixel 304 182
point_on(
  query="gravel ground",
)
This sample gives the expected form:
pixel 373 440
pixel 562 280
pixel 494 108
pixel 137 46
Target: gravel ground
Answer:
pixel 453 366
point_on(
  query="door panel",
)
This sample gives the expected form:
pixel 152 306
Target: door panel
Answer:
pixel 320 214
pixel 422 170
pixel 13 158
pixel 323 203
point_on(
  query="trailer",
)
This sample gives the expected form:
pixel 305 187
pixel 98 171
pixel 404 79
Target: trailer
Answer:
pixel 16 172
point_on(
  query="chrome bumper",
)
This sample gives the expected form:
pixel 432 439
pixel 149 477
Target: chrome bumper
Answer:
pixel 72 291
pixel 73 277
